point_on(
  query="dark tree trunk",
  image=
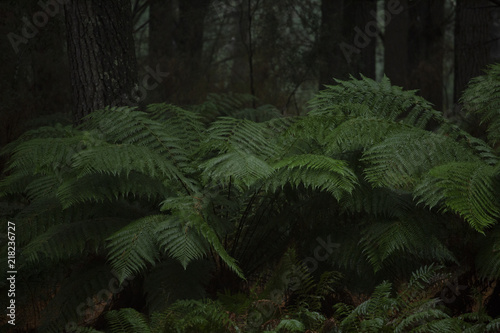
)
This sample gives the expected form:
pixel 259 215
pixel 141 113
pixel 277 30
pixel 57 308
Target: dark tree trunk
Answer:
pixel 101 53
pixel 396 46
pixel 240 67
pixel 161 43
pixel 344 48
pixel 364 14
pixel 332 63
pixel 426 49
pixel 189 41
pixel 472 41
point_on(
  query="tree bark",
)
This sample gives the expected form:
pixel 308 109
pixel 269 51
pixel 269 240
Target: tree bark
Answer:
pixel 426 50
pixel 472 41
pixel 332 63
pixel 102 56
pixel 189 41
pixel 396 46
pixel 341 52
pixel 161 43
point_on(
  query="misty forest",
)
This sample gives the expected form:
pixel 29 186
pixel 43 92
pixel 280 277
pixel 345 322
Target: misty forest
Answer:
pixel 234 166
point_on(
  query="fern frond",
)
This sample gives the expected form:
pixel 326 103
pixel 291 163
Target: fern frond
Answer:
pixel 493 326
pixel 127 320
pixel 236 167
pixel 65 240
pixel 423 277
pixel 488 256
pixel 174 139
pixel 98 188
pixel 180 239
pixel 315 171
pixel 361 133
pixel 179 123
pixel 469 189
pixel 290 325
pixel 379 201
pixel 383 240
pixel 481 97
pixel 198 316
pixel 445 325
pixel 118 159
pixel 244 135
pixel 382 99
pixel 134 246
pixel 209 234
pixel 45 156
pixel 190 210
pixel 44 132
pixel 400 159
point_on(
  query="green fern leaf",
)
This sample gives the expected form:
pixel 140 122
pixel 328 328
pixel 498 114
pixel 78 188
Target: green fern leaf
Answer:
pixel 469 189
pixel 127 321
pixel 134 246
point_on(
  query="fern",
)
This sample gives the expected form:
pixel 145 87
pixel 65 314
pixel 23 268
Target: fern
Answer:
pixel 200 316
pixel 470 189
pixel 182 197
pixel 481 97
pixel 236 167
pixel 381 98
pixel 290 325
pixel 399 313
pixel 63 241
pixel 380 241
pixel 132 247
pixel 127 321
pixel 401 159
pixel 315 171
pixel 179 238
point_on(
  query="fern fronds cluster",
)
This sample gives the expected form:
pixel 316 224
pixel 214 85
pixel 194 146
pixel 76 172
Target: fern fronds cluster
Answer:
pixel 223 189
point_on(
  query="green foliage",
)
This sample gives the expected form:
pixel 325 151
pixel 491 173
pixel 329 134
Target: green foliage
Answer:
pixel 181 197
pixel 127 321
pixel 482 97
pixel 470 189
pixel 407 311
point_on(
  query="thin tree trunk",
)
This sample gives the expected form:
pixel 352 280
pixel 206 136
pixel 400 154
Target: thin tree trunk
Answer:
pixel 472 41
pixel 101 53
pixel 189 41
pixel 161 43
pixel 365 10
pixel 332 62
pixel 344 46
pixel 425 52
pixel 396 46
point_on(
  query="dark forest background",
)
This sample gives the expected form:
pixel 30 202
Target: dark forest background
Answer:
pixel 248 132
pixel 281 51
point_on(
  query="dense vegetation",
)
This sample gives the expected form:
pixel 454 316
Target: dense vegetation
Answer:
pixel 221 217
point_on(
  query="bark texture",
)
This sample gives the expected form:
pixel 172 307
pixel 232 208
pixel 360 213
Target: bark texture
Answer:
pixel 101 53
pixel 472 41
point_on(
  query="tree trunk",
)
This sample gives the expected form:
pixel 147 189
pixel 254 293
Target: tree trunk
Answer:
pixel 344 47
pixel 425 51
pixel 364 16
pixel 396 46
pixel 101 53
pixel 161 43
pixel 189 41
pixel 472 41
pixel 332 64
